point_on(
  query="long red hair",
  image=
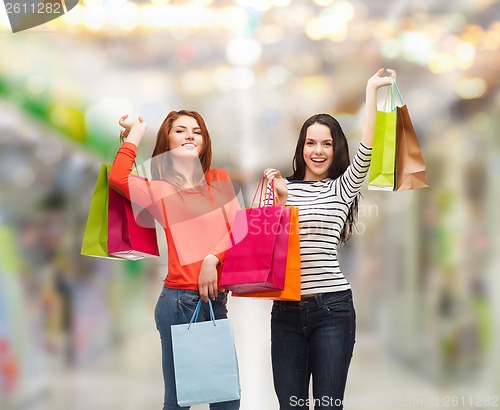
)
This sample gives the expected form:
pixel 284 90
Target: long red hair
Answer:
pixel 162 168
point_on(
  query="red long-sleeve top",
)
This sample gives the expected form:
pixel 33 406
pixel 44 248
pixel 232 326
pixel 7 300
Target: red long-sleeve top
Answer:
pixel 196 221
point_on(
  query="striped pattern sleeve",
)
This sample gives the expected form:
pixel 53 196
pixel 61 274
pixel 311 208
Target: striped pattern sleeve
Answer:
pixel 351 180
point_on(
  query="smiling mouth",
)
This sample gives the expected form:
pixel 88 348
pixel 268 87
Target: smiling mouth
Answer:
pixel 318 160
pixel 189 145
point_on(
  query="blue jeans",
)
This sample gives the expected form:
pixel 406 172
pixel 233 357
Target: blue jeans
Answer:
pixel 312 337
pixel 176 306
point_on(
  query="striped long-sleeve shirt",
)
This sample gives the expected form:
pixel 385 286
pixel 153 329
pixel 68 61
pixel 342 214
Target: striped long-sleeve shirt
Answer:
pixel 323 209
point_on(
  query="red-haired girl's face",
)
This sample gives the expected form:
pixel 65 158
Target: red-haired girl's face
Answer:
pixel 185 137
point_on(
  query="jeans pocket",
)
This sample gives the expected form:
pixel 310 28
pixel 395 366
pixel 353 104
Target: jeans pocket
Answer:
pixel 339 308
pixel 186 305
pixel 189 300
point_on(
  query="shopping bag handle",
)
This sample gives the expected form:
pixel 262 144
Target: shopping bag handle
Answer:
pixel 196 313
pixel 390 92
pixel 270 196
pixel 270 200
pixel 259 190
pixel 394 82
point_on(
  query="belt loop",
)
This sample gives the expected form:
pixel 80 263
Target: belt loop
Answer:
pixel 319 299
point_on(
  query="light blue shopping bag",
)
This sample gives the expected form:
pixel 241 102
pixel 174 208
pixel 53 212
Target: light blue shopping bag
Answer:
pixel 205 363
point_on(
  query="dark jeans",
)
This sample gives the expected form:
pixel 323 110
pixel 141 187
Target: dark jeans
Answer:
pixel 176 306
pixel 312 337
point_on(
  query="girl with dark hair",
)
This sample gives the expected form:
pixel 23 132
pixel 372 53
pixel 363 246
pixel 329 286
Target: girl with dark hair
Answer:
pixel 315 336
pixel 182 196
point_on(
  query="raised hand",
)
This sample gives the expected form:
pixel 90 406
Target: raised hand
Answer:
pixel 133 130
pixel 374 83
pixel 377 81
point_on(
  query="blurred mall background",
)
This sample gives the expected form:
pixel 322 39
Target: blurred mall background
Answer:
pixel 78 332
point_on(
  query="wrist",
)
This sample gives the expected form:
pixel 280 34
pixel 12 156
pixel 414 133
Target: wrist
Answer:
pixel 138 125
pixel 211 259
pixel 371 88
pixel 133 139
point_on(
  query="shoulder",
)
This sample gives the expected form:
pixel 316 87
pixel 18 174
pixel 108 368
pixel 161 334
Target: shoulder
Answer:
pixel 217 174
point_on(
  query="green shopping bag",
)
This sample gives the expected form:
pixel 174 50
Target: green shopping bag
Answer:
pixel 382 167
pixel 95 238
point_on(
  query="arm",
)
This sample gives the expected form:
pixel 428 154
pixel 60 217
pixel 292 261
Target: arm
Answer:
pixel 122 165
pixel 119 174
pixel 353 177
pixel 374 83
pixel 140 192
pixel 351 180
pixel 207 281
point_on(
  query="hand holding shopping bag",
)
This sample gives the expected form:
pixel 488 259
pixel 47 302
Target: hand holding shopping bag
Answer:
pixel 95 238
pixel 292 286
pixel 257 261
pixel 397 163
pixel 382 167
pixel 205 362
pixel 131 234
pixel 113 230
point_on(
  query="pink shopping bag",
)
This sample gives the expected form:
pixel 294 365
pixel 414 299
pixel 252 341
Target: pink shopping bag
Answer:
pixel 257 260
pixel 129 236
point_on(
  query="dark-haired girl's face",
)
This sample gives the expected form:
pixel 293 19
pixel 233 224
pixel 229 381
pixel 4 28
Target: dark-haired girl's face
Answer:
pixel 318 152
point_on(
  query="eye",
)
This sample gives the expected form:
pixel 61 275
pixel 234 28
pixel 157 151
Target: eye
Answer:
pixel 328 144
pixel 309 143
pixel 179 131
pixel 198 132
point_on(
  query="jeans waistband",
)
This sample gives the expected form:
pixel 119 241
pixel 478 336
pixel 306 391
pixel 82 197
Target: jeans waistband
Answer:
pixel 194 292
pixel 317 299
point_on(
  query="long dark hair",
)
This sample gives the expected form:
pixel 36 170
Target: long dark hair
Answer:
pixel 163 169
pixel 339 164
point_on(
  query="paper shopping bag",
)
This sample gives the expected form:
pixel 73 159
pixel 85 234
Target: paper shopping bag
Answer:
pixel 292 288
pixel 205 362
pixel 382 167
pixel 410 166
pixel 95 238
pixel 131 235
pixel 257 261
